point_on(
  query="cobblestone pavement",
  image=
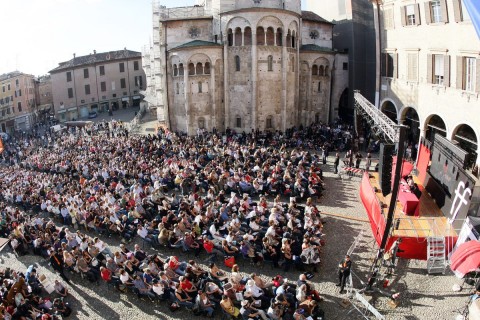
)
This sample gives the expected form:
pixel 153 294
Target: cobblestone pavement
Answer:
pixel 422 297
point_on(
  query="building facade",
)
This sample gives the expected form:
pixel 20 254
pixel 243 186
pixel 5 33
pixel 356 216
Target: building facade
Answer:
pixel 431 83
pixel 44 98
pixel 353 32
pixel 17 102
pixel 97 83
pixel 244 65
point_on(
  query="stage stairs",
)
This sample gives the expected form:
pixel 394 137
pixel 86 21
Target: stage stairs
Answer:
pixel 436 258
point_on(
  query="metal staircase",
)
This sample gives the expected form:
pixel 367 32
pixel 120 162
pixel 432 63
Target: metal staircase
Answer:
pixel 436 259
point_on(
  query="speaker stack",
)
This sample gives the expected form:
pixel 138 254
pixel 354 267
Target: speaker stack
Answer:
pixel 385 167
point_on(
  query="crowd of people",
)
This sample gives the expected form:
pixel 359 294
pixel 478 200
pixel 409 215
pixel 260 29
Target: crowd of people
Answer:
pixel 244 196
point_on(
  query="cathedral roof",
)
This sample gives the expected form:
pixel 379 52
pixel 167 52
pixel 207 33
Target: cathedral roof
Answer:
pixel 197 43
pixel 314 47
pixel 312 16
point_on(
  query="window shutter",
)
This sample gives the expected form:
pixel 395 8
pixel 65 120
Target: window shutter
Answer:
pixel 429 68
pixel 459 67
pixel 383 64
pixel 443 6
pixel 417 14
pixel 457 10
pixel 477 71
pixel 428 13
pixel 403 14
pixel 446 71
pixel 395 65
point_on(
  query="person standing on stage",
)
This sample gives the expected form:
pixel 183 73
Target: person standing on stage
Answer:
pixel 344 272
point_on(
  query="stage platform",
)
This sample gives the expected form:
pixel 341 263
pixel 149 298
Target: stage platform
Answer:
pixel 414 230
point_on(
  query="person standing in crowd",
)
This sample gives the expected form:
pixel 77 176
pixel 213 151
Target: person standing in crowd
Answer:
pixel 57 264
pixel 344 272
pixel 336 163
pixel 368 162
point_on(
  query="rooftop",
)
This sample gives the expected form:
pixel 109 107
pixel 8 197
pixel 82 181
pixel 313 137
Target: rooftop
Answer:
pixel 96 58
pixel 10 75
pixel 314 47
pixel 312 16
pixel 197 43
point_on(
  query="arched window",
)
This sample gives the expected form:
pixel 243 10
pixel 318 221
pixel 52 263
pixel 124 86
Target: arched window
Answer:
pixel 199 87
pixel 270 37
pixel 314 70
pixel 292 65
pixel 237 63
pixel 247 35
pixel 260 36
pixel 238 37
pixel 289 39
pixel 191 69
pixel 326 74
pixel 270 63
pixel 178 88
pixel 319 89
pixel 279 37
pixel 206 68
pixel 180 69
pixel 175 70
pixel 199 69
pixel 317 117
pixel 321 71
pixel 230 37
pixel 293 39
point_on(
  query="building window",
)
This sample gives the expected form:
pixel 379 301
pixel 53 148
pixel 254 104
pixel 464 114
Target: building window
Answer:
pixel 3 88
pixel 201 123
pixel 123 83
pixel 269 123
pixel 438 69
pixel 345 66
pixel 16 82
pixel 206 68
pixel 180 69
pixel 70 93
pixel 140 82
pixel 237 63
pixel 103 86
pixel 178 88
pixel 436 11
pixel 175 70
pixel 239 122
pixel 199 87
pixel 388 66
pixel 319 88
pixel 87 89
pixel 85 73
pixel 469 74
pixel 113 85
pixel 69 76
pixel 270 63
pixel 314 70
pixel 122 66
pixel 411 19
pixel 464 13
pixel 8 87
pixel 135 65
pixel 19 105
pixel 388 18
pixel 412 73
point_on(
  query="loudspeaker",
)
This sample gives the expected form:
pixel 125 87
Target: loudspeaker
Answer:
pixel 385 167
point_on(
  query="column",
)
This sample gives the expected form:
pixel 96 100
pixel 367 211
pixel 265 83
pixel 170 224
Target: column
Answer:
pixel 284 85
pixel 275 37
pixel 226 85
pixel 213 94
pixel 254 81
pixel 309 90
pixel 187 98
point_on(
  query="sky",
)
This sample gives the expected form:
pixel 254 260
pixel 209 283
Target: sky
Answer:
pixel 39 34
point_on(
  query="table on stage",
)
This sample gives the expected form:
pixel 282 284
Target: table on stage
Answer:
pixel 409 201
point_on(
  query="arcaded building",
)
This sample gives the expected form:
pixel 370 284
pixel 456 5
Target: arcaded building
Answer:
pixel 243 65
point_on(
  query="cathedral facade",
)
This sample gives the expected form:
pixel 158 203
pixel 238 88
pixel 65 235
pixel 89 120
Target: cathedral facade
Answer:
pixel 243 65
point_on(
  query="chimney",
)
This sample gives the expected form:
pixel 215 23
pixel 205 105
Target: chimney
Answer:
pixel 94 51
pixel 74 56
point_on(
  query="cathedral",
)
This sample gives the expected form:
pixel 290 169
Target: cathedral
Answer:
pixel 243 65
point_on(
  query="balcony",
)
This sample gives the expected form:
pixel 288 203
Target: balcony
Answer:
pixel 181 13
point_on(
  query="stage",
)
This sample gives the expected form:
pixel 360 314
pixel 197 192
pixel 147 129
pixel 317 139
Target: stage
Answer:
pixel 424 219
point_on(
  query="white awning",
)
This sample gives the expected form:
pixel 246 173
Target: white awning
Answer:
pixel 125 98
pixel 136 97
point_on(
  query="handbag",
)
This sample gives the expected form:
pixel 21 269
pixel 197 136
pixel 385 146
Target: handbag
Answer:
pixel 229 261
